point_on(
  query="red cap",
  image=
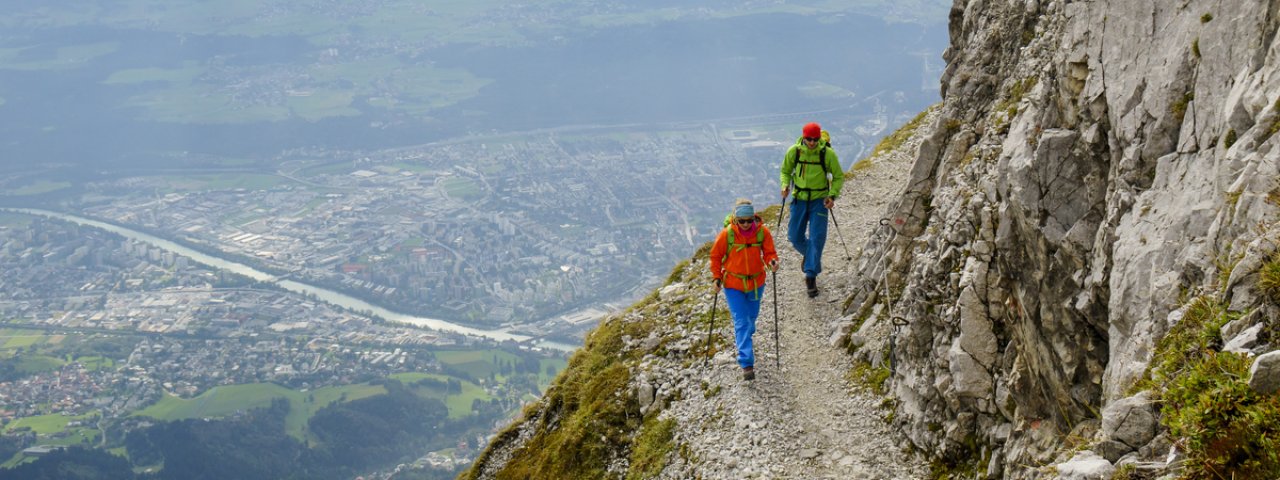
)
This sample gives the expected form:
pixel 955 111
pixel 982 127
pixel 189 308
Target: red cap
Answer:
pixel 812 130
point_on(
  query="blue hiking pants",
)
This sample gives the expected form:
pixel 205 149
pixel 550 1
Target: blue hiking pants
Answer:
pixel 744 307
pixel 808 216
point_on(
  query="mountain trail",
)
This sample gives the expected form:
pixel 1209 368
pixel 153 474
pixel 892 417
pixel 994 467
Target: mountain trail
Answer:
pixel 807 419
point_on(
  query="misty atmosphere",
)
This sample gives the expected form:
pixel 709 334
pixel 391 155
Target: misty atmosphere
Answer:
pixel 298 239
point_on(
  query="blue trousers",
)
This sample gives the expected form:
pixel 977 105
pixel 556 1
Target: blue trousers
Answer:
pixel 808 216
pixel 744 307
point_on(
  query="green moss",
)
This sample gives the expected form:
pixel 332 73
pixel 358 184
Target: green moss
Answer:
pixel 869 377
pixel 1229 139
pixel 1195 47
pixel 1206 18
pixel 651 448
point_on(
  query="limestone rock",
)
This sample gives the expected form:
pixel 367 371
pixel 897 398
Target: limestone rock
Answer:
pixel 1264 374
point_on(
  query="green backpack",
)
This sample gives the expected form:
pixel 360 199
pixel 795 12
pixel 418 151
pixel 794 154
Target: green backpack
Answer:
pixel 734 246
pixel 822 162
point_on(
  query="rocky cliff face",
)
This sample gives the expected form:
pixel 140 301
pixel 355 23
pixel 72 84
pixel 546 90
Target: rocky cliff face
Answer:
pixel 1095 165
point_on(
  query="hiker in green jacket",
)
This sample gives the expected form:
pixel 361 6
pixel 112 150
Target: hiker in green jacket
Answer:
pixel 813 169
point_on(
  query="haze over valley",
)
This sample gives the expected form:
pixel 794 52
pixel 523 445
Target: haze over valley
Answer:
pixel 520 169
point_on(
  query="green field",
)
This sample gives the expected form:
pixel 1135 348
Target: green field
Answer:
pixel 45 424
pixel 63 58
pixel 462 188
pixel 222 181
pixel 15 220
pixel 188 72
pixel 459 405
pixel 14 339
pixel 227 400
pixel 29 364
pixel 38 188
pixel 339 168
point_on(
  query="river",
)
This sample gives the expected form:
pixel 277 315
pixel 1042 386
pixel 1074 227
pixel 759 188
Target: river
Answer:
pixel 328 296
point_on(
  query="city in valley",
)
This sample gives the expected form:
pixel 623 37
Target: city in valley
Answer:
pixel 527 240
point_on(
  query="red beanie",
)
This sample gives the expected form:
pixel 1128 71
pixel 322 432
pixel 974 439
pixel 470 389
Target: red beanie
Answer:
pixel 812 130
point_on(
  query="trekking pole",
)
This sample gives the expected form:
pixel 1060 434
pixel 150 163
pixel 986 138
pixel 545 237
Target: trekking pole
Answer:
pixel 847 257
pixel 777 349
pixel 715 292
pixel 782 211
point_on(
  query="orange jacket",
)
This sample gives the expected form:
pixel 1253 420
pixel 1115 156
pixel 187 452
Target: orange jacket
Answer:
pixel 742 269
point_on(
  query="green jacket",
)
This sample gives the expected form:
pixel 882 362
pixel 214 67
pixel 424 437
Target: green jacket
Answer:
pixel 810 182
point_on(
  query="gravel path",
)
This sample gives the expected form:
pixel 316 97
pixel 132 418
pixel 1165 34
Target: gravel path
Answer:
pixel 806 419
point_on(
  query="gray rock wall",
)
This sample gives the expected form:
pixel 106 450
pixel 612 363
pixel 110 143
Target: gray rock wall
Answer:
pixel 1094 163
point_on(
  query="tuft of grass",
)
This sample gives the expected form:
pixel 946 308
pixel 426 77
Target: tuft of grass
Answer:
pixel 1179 106
pixel 861 165
pixel 952 125
pixel 651 448
pixel 1269 279
pixel 1128 471
pixel 1229 138
pixel 1233 198
pixel 1195 47
pixel 1206 18
pixel 1191 337
pixel 1017 91
pixel 895 139
pixel 711 392
pixel 677 272
pixel 1223 424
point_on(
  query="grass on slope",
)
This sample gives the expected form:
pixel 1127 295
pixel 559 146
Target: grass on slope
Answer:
pixel 590 417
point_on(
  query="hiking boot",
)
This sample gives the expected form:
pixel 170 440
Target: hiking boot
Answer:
pixel 748 373
pixel 811 285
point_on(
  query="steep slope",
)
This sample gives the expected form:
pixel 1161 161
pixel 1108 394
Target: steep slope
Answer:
pixel 646 398
pixel 1086 225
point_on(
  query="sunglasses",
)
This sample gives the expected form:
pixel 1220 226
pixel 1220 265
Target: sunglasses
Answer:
pixel 811 139
pixel 745 221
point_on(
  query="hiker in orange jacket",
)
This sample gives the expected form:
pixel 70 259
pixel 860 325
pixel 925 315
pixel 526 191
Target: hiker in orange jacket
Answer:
pixel 739 257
